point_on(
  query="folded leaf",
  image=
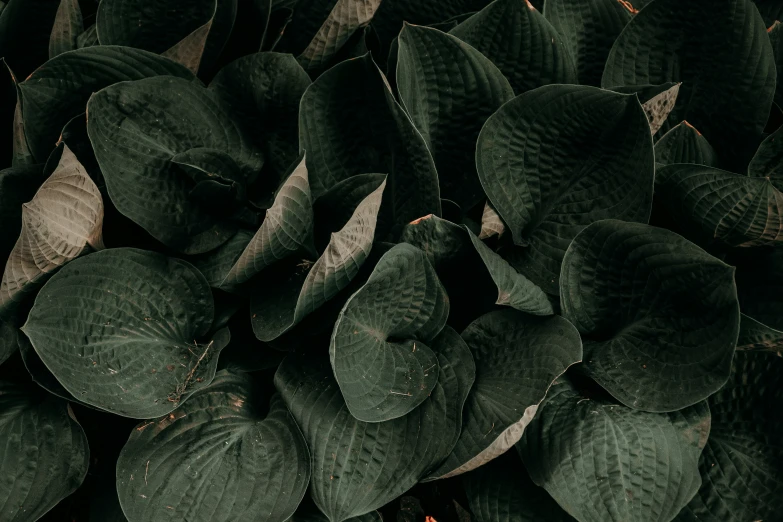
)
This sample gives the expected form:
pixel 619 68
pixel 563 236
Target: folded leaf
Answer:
pixel 684 144
pixel 558 158
pixel 491 224
pixel 659 316
pixel 220 451
pixel 517 359
pixel 449 89
pixel 602 461
pixel 68 25
pixel 379 349
pixel 768 160
pixel 120 330
pixel 45 455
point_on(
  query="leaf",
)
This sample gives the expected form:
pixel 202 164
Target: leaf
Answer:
pixel 684 144
pixel 556 159
pixel 775 32
pixel 49 103
pixel 740 466
pixel 727 71
pixel 18 185
pixel 22 155
pixel 378 137
pixel 346 17
pixel 262 92
pixel 501 491
pixel 68 25
pixel 759 285
pixel 87 38
pixel 221 451
pixel 215 264
pixel 449 89
pixel 39 372
pixel 754 335
pixel 358 466
pixel 588 31
pixel 286 229
pixel 45 454
pixel 720 206
pixel 137 130
pixel 25 26
pixel 379 348
pixel 190 50
pixel 491 224
pixel 8 345
pixel 659 316
pixel 517 359
pixel 62 221
pixel 660 106
pixel 288 300
pixel 521 42
pixel 645 463
pixel 134 350
pixel 768 160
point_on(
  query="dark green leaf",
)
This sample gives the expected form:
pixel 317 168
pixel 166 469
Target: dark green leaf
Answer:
pixel 191 49
pixel 67 27
pixel 25 26
pixel 87 38
pixel 558 158
pixel 658 315
pixel 517 359
pixel 775 32
pixel 754 335
pixel 222 452
pixel 215 264
pixel 8 335
pixel 491 224
pixel 768 160
pixel 602 461
pixel 684 144
pixel 449 89
pixel 18 185
pixel 120 330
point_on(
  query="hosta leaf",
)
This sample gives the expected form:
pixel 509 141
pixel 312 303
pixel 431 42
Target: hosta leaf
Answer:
pixel 22 155
pixel 717 205
pixel 308 512
pixel 8 334
pixel 760 285
pixel 137 129
pixel 220 457
pixel 358 466
pixel 120 330
pixel 346 17
pixel 18 185
pixel 45 454
pixel 190 50
pixel 263 91
pixel 658 316
pixel 378 137
pixel 62 221
pixel 741 465
pixel 501 491
pixel 40 373
pixel 754 335
pixel 684 144
pixel 588 30
pixel 491 224
pixel 449 89
pixel 215 264
pixel 49 103
pixel 159 26
pixel 727 71
pixel 768 160
pixel 380 344
pixel 521 42
pixel 602 461
pixel 517 359
pixel 68 25
pixel 775 32
pixel 286 301
pixel 286 229
pixel 558 158
pixel 87 38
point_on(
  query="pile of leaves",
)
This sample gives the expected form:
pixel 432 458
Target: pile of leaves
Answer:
pixel 329 260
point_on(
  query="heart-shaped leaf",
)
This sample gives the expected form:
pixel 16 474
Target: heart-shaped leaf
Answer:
pixel 120 330
pixel 137 130
pixel 378 137
pixel 61 222
pixel 447 109
pixel 48 103
pixel 45 455
pixel 359 466
pixel 727 71
pixel 521 42
pixel 379 347
pixel 558 158
pixel 740 466
pixel 684 144
pixel 68 25
pixel 646 463
pixel 222 452
pixel 659 316
pixel 517 359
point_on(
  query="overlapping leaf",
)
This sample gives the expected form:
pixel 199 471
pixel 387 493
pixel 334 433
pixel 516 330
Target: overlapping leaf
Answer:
pixel 517 359
pixel 379 349
pixel 191 49
pixel 727 70
pixel 491 224
pixel 759 285
pixel 602 461
pixel 449 89
pixel 659 316
pixel 218 458
pixel 558 158
pixel 68 25
pixel 755 335
pixel 45 454
pixel 122 329
pixel 357 466
pixel 18 185
pixel 684 144
pixel 139 128
pixel 775 32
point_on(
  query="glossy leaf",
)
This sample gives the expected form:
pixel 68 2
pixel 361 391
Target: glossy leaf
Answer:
pixel 684 144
